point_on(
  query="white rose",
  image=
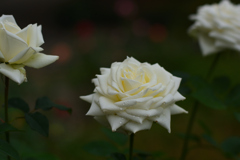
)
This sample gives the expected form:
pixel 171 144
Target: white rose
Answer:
pixel 130 96
pixel 217 27
pixel 19 48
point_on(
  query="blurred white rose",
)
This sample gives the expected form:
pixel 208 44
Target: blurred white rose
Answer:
pixel 130 96
pixel 19 48
pixel 217 27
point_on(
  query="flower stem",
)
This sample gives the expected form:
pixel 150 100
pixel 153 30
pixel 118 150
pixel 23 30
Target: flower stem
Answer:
pixel 6 109
pixel 194 112
pixel 131 146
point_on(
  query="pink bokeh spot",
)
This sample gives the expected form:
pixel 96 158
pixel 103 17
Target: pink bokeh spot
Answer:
pixel 63 50
pixel 125 7
pixel 157 33
pixel 85 29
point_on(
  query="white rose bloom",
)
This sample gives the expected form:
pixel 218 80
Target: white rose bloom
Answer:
pixel 130 96
pixel 217 27
pixel 19 48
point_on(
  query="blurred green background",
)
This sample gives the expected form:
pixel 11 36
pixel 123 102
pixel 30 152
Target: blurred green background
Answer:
pixel 89 34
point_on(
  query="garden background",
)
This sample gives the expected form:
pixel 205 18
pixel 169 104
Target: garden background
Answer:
pixel 89 34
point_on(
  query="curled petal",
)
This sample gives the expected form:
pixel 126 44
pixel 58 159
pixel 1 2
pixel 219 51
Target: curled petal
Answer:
pixel 207 45
pixel 165 119
pixel 107 105
pixel 164 101
pixel 40 60
pixel 22 56
pixel 132 102
pixel 23 34
pixel 8 18
pixel 39 36
pixel 145 113
pixel 178 97
pixel 135 127
pixel 105 70
pixel 102 79
pixel 116 121
pixel 131 117
pixel 175 109
pixel 11 44
pixel 16 75
pixel 88 98
pixel 95 110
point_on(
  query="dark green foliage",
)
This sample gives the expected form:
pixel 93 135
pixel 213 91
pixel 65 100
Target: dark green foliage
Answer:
pixel 100 148
pixel 210 140
pixel 63 108
pixel 38 122
pixel 45 103
pixel 231 146
pixel 233 98
pixel 4 127
pixel 207 97
pixel 7 149
pixel 19 104
pixel 35 120
pixel 118 156
pixel 221 85
pixel 237 116
pixel 41 157
pixel 196 83
pixel 116 137
pixel 205 128
pixel 192 137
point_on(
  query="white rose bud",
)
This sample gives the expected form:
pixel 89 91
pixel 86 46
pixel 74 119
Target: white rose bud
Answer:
pixel 19 48
pixel 130 96
pixel 217 27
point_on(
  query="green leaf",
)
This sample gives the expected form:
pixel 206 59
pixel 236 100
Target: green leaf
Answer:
pixel 44 103
pixel 116 137
pixel 5 127
pixel 30 158
pixel 19 104
pixel 100 148
pixel 237 116
pixel 118 156
pixel 231 146
pixel 43 156
pixel 221 84
pixel 210 140
pixel 205 127
pixel 233 97
pixel 6 148
pixel 63 108
pixel 157 154
pixel 197 83
pixel 38 122
pixel 207 97
pixel 192 137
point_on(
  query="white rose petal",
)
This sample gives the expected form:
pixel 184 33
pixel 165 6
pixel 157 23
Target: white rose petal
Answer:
pixel 14 74
pixel 116 121
pixel 131 95
pixel 40 60
pixel 21 47
pixel 217 27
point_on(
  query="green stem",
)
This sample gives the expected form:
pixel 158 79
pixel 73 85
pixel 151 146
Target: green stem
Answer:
pixel 188 132
pixel 214 63
pixel 131 146
pixel 194 112
pixel 6 109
